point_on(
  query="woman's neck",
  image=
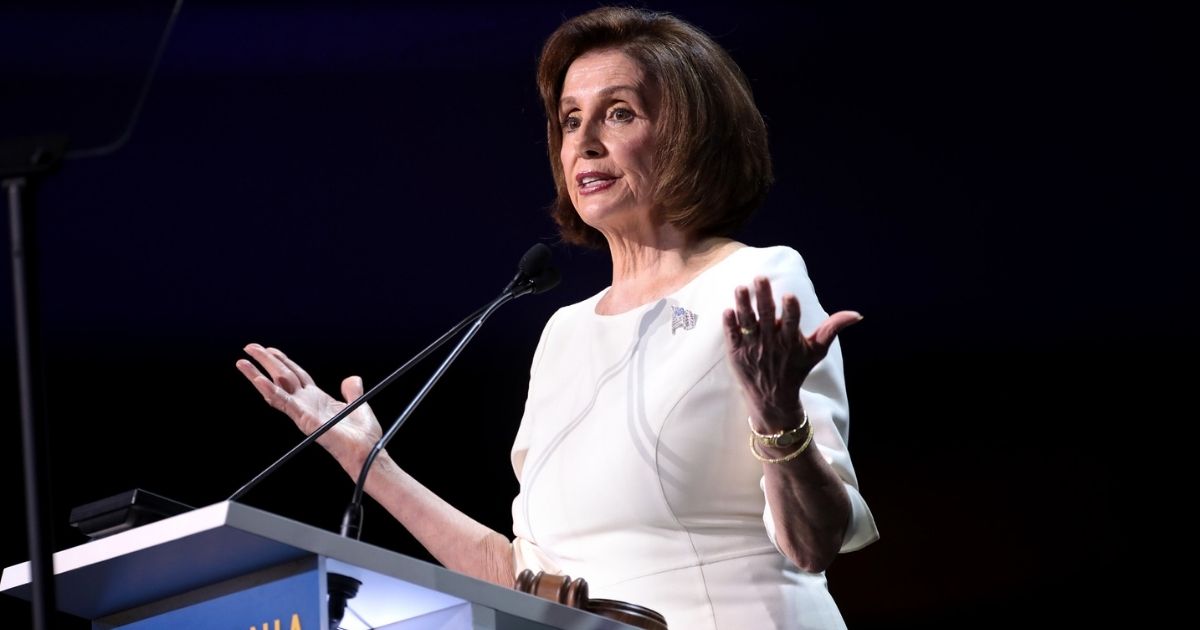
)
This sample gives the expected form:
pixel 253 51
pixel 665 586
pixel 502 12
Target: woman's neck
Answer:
pixel 647 269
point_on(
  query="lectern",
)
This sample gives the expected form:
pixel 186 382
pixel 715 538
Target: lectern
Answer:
pixel 231 566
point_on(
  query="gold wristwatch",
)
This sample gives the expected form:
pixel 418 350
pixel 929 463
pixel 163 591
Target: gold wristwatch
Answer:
pixel 782 439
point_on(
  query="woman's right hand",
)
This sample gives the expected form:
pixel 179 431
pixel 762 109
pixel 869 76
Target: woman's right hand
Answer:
pixel 291 390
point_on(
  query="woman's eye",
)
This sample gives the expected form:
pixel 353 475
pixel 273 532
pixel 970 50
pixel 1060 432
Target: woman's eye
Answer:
pixel 621 115
pixel 570 123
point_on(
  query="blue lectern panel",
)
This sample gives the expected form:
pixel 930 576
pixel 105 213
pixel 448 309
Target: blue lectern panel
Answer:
pixel 290 603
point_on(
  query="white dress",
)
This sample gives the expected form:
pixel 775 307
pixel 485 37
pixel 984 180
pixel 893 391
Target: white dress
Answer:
pixel 634 462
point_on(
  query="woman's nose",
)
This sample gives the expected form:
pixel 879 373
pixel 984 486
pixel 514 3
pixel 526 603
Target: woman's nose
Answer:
pixel 590 144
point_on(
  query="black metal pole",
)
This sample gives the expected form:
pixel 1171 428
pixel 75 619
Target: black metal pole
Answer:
pixel 33 432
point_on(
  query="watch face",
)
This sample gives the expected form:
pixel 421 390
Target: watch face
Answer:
pixel 787 439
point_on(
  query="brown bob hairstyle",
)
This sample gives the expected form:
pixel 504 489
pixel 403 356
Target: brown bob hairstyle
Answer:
pixel 711 160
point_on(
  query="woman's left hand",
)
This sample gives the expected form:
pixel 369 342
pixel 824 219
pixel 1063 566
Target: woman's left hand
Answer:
pixel 771 356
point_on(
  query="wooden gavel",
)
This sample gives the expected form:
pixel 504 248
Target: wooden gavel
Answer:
pixel 574 593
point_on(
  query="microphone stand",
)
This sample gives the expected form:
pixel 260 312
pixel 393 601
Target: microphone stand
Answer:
pixel 22 164
pixel 355 404
pixel 353 516
pixel 533 276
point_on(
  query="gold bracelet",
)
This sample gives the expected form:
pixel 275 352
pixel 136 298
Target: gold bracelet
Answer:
pixel 785 458
pixel 781 439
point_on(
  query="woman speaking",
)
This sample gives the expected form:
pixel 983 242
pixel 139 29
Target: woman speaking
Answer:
pixel 683 445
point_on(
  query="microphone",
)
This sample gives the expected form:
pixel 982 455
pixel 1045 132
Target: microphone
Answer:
pixel 533 262
pixel 534 272
pixel 534 275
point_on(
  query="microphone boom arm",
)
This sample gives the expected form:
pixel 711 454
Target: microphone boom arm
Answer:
pixel 356 403
pixel 535 275
pixel 352 518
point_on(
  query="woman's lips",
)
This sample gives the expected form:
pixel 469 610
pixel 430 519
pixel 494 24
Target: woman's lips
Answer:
pixel 593 182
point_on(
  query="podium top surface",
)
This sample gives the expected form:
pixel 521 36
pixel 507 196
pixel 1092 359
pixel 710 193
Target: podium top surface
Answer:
pixel 226 540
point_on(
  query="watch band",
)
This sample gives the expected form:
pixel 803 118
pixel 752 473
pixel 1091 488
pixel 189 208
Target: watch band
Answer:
pixel 780 439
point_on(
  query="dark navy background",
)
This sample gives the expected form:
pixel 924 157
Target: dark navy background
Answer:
pixel 990 184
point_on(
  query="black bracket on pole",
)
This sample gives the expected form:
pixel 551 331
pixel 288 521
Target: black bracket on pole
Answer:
pixel 23 162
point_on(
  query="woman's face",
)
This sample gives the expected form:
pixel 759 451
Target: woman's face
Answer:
pixel 607 113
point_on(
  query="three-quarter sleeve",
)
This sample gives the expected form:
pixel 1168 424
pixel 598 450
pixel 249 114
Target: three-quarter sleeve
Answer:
pixel 824 398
